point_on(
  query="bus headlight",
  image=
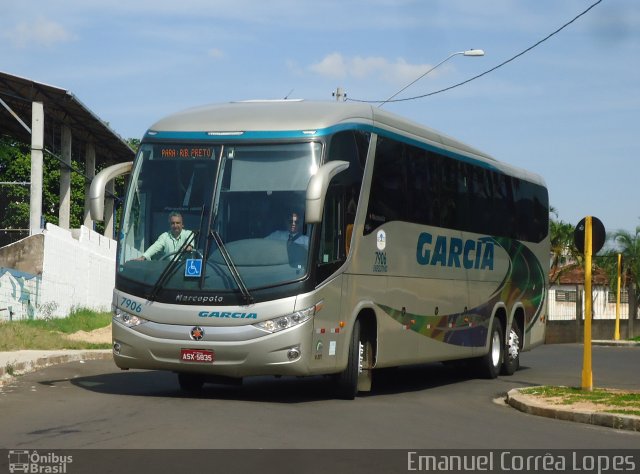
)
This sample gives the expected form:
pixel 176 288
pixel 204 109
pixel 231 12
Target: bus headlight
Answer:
pixel 289 320
pixel 127 319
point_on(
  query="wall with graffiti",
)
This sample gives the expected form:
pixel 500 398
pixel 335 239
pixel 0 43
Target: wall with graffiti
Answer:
pixel 18 294
pixel 78 271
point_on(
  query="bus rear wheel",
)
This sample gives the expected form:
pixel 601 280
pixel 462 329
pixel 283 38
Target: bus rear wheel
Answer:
pixel 489 365
pixel 512 355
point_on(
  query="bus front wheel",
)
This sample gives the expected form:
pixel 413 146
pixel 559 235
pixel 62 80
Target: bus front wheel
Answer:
pixel 357 375
pixel 190 383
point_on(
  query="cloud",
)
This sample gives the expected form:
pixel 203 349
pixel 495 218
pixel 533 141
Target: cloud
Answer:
pixel 215 53
pixel 40 32
pixel 333 66
pixel 398 71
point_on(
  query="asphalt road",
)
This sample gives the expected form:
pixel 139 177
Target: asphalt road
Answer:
pixel 94 405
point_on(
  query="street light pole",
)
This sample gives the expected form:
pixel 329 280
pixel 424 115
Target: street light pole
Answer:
pixel 469 52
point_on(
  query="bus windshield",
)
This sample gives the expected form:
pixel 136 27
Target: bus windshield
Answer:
pixel 215 217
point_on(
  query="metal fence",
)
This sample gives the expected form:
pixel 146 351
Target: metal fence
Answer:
pixel 566 302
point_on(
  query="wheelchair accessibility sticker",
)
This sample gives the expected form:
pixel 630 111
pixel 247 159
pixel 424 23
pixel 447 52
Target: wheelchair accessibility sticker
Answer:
pixel 193 267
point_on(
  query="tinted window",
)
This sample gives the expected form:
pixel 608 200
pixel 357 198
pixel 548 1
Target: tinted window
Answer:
pixel 388 188
pixel 424 187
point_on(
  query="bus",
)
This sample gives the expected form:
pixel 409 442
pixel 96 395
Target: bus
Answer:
pixel 323 238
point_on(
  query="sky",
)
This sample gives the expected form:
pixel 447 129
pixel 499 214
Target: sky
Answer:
pixel 568 109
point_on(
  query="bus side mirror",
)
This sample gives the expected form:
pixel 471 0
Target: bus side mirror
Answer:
pixel 99 184
pixel 317 189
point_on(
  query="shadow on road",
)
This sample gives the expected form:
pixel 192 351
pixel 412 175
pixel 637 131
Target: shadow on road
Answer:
pixel 270 389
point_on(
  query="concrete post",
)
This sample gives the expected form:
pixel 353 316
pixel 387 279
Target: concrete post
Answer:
pixel 90 172
pixel 579 320
pixel 37 146
pixel 64 214
pixel 632 310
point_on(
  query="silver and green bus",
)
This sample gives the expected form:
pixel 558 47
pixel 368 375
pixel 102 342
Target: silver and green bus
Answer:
pixel 324 238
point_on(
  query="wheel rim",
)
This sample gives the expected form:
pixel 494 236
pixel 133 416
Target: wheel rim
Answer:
pixel 514 345
pixel 495 349
pixel 364 366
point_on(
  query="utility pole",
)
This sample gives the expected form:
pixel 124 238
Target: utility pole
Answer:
pixel 339 94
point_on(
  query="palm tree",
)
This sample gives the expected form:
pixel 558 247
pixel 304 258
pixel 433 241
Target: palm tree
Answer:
pixel 628 244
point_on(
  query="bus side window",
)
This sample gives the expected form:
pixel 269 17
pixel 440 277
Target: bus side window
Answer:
pixel 387 194
pixel 350 146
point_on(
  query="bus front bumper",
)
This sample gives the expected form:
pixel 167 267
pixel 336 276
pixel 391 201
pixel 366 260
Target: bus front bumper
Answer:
pixel 171 348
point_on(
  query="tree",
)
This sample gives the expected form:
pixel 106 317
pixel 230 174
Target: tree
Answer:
pixel 15 166
pixel 627 244
pixel 564 255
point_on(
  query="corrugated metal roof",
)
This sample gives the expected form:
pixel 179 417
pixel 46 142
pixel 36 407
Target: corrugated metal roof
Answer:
pixel 61 107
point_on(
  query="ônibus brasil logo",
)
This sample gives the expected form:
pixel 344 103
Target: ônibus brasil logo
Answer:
pixel 24 460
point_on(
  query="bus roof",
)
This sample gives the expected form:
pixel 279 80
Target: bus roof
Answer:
pixel 290 115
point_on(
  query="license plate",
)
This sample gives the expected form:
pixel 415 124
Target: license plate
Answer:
pixel 197 355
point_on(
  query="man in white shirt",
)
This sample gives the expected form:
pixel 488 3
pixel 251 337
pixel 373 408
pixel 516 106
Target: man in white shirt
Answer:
pixel 171 241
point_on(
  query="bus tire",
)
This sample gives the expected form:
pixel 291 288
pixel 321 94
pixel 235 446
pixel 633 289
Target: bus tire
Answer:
pixel 512 354
pixel 190 383
pixel 489 365
pixel 347 380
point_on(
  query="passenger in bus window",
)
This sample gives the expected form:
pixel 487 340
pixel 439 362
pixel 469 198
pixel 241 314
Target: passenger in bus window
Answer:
pixel 292 231
pixel 171 241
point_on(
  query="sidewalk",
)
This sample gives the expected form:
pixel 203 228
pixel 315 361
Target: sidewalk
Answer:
pixel 20 362
pixel 536 406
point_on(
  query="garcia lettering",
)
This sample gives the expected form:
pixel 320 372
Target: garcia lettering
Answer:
pixel 453 252
pixel 227 314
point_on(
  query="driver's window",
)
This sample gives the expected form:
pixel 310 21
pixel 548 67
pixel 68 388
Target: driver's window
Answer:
pixel 331 248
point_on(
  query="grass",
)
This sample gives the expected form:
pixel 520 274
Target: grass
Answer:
pixel 605 400
pixel 49 334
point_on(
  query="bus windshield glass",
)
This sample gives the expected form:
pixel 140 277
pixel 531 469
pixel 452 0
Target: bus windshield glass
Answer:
pixel 206 217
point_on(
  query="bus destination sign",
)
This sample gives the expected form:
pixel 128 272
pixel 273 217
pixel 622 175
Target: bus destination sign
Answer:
pixel 186 152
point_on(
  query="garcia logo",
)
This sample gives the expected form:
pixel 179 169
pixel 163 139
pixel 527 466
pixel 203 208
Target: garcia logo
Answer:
pixel 454 252
pixel 227 314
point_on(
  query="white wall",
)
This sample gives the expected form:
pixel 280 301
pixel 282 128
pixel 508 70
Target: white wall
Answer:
pixel 76 272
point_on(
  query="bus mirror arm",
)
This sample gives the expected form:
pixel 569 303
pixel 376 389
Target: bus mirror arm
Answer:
pixel 317 189
pixel 99 184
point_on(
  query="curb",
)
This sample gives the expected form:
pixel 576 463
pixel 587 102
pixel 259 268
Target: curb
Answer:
pixel 22 362
pixel 616 343
pixel 534 406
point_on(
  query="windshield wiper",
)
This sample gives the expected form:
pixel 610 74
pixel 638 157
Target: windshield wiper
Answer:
pixel 246 295
pixel 170 269
pixel 213 234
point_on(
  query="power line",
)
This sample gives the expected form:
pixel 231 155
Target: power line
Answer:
pixel 489 70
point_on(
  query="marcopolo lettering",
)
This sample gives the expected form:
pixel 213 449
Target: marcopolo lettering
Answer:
pixel 455 252
pixel 227 314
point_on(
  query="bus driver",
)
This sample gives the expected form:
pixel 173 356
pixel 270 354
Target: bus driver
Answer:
pixel 171 241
